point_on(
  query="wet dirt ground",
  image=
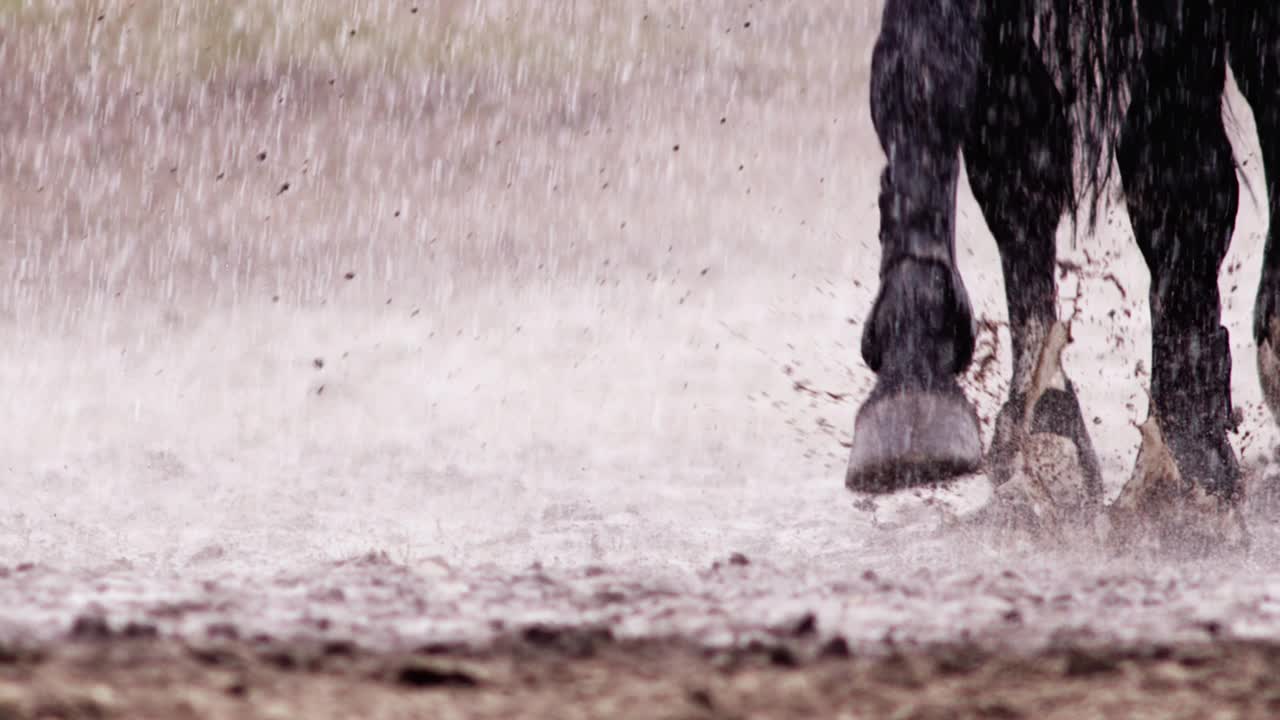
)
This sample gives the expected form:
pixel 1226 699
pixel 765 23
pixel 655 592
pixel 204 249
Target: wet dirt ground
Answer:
pixel 1043 635
pixel 469 359
pixel 550 673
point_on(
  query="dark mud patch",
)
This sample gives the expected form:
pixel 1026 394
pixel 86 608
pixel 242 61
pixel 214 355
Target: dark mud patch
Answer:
pixel 543 672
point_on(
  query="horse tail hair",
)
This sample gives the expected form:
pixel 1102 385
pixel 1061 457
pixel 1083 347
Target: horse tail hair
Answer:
pixel 1091 48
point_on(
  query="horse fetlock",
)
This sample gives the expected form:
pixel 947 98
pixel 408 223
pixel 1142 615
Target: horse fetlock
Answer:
pixel 1269 367
pixel 1191 400
pixel 1042 401
pixel 1266 305
pixel 921 331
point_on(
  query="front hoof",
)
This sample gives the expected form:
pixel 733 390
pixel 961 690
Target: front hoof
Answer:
pixel 910 438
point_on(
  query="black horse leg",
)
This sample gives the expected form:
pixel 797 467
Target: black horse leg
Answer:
pixel 1182 193
pixel 1019 158
pixel 917 426
pixel 1255 58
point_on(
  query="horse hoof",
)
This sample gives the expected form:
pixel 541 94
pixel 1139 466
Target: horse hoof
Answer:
pixel 1045 497
pixel 1160 511
pixel 1057 413
pixel 1269 370
pixel 911 438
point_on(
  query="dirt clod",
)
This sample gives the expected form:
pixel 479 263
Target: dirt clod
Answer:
pixel 421 675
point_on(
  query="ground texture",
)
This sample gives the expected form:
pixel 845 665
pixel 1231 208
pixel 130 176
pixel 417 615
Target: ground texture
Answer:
pixel 556 673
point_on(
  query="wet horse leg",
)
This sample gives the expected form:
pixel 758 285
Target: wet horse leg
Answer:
pixel 1019 158
pixel 1182 193
pixel 917 426
pixel 1255 59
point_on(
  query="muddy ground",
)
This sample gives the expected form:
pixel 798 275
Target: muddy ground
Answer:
pixel 1062 635
pixel 554 673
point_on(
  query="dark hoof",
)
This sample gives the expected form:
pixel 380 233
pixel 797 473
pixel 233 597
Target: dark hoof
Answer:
pixel 911 438
pixel 1056 413
pixel 1269 370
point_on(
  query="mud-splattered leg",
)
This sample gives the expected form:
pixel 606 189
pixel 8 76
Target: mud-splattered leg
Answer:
pixel 1255 59
pixel 1018 154
pixel 1182 193
pixel 916 426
